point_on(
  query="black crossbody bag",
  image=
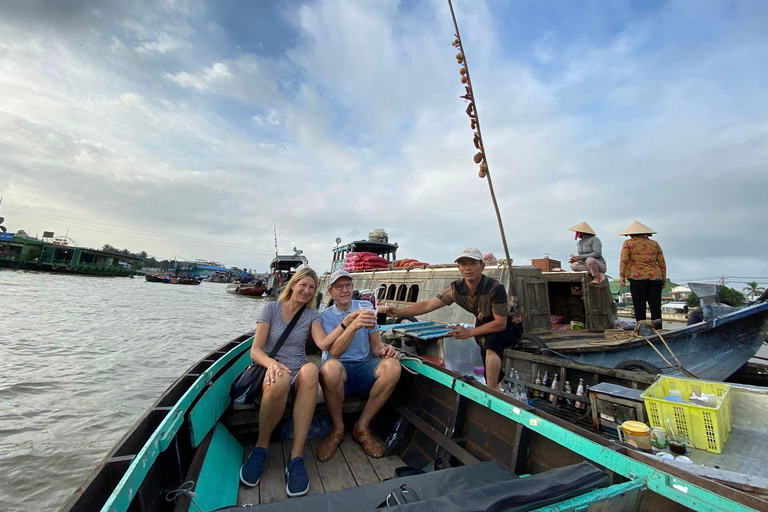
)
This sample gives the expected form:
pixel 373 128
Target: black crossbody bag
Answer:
pixel 247 385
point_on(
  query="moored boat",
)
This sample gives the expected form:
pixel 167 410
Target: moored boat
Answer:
pixel 254 289
pixel 713 349
pixel 185 454
pixel 154 278
pixel 49 255
pixel 282 267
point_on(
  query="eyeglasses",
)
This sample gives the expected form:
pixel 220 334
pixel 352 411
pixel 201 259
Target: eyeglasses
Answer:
pixel 342 286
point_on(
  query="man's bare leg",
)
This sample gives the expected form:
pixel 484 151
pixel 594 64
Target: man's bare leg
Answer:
pixel 332 379
pixel 387 375
pixel 492 369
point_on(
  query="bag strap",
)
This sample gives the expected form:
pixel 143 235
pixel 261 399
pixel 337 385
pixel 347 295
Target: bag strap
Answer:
pixel 287 331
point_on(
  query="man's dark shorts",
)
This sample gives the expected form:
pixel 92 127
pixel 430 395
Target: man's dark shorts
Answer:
pixel 498 341
pixel 361 375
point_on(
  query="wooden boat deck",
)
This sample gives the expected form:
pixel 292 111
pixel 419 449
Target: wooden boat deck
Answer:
pixel 349 467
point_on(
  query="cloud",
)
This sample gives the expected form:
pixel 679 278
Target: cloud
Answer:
pixel 348 117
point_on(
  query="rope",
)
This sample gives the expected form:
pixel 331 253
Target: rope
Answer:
pixel 184 489
pixel 404 356
pixel 635 333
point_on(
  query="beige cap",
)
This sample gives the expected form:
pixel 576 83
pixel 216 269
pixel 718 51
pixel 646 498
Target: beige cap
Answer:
pixel 583 227
pixel 338 275
pixel 470 252
pixel 636 228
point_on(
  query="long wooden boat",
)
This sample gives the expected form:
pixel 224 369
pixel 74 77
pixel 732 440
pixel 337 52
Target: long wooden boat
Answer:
pixel 27 253
pixel 185 454
pixel 713 349
pixel 154 278
pixel 255 289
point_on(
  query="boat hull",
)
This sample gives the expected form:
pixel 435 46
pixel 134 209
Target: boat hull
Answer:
pixel 249 289
pixel 463 422
pixel 712 350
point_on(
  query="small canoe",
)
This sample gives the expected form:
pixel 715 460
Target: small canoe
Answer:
pixel 256 289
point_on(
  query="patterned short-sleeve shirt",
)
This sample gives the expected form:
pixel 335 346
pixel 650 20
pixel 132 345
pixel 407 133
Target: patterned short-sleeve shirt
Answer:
pixel 642 258
pixel 490 297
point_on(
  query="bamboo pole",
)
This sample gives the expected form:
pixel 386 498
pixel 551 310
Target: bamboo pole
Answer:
pixel 481 157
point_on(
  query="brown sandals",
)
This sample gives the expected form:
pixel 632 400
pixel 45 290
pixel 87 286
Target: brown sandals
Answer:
pixel 370 446
pixel 328 447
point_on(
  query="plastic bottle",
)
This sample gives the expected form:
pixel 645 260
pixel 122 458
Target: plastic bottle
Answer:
pixel 568 389
pixel 522 392
pixel 537 381
pixel 394 435
pixel 553 397
pixel 580 392
pixel 545 383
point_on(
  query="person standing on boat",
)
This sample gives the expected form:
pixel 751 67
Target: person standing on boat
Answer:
pixel 642 262
pixel 288 372
pixel 486 299
pixel 590 253
pixel 355 363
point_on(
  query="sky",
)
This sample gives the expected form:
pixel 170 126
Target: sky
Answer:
pixel 195 129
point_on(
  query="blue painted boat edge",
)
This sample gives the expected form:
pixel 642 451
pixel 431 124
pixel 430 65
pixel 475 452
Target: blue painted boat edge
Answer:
pixel 676 489
pixel 121 497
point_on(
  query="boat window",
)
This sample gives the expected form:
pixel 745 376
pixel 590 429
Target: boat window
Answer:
pixel 62 255
pixel 381 291
pixel 401 292
pixel 391 292
pixel 413 293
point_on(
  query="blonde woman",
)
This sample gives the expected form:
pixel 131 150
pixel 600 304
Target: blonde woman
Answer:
pixel 288 371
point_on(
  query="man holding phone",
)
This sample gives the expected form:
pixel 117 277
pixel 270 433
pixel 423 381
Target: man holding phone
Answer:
pixel 356 363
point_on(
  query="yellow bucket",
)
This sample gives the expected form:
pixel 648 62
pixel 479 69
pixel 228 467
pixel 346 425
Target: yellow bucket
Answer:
pixel 635 432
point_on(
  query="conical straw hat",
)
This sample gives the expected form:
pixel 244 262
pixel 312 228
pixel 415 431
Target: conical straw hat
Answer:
pixel 636 228
pixel 583 227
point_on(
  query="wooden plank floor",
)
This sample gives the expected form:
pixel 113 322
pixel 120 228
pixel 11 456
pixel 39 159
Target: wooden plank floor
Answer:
pixel 348 467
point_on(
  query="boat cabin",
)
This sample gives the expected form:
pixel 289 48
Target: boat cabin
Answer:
pixel 379 248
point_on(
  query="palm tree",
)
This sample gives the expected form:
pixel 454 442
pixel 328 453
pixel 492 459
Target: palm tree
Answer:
pixel 753 290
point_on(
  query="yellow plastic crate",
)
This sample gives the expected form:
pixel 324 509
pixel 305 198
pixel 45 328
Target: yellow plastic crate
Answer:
pixel 708 427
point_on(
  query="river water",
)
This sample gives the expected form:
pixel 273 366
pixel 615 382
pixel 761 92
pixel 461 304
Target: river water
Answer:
pixel 81 358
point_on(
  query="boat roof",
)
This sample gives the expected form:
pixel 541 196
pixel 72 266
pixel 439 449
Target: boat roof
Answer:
pixel 288 261
pixel 367 246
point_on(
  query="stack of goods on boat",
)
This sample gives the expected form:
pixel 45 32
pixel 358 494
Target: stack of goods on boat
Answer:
pixel 356 261
pixel 409 262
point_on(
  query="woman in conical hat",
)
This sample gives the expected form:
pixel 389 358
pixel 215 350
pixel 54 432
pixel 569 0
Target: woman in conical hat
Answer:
pixel 642 262
pixel 590 253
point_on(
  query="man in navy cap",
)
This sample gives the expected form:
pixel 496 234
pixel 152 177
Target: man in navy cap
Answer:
pixel 357 363
pixel 495 329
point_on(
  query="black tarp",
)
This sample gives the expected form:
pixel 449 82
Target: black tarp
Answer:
pixel 477 487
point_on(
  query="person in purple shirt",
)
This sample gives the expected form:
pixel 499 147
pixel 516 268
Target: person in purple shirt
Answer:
pixel 355 363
